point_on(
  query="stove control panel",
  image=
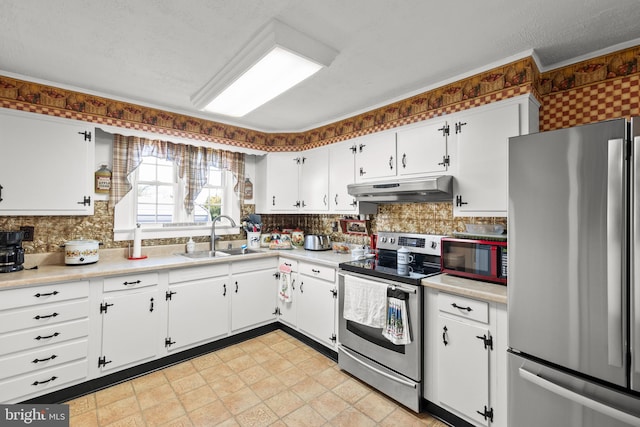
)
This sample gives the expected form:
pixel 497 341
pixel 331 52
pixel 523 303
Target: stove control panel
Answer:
pixel 418 243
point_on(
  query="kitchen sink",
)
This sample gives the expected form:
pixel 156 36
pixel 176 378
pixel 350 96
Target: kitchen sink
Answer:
pixel 218 254
pixel 204 254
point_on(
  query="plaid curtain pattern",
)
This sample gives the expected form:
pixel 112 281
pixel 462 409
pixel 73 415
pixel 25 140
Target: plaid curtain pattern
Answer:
pixel 191 161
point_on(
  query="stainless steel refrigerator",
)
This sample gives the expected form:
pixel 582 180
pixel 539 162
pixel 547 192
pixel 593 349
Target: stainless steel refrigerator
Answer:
pixel 574 277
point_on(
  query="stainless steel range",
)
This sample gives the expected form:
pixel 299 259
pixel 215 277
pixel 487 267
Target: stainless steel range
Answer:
pixel 386 352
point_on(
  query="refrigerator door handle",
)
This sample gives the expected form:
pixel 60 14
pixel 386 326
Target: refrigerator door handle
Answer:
pixel 615 259
pixel 635 265
pixel 578 398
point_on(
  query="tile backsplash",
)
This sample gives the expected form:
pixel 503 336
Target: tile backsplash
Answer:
pixel 430 218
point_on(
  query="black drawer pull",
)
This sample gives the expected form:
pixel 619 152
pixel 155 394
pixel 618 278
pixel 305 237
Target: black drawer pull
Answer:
pixel 315 271
pixel 40 337
pixel 53 356
pixel 132 283
pixel 38 295
pixel 38 317
pixel 45 381
pixel 459 307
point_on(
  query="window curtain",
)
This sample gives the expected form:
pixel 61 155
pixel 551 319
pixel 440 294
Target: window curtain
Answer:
pixel 193 165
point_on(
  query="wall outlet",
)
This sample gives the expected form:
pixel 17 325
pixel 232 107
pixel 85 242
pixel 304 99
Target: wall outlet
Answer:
pixel 27 235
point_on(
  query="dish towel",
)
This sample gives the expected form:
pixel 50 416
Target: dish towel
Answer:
pixel 285 291
pixel 365 302
pixel 397 325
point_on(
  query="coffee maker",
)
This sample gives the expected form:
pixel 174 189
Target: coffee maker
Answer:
pixel 11 251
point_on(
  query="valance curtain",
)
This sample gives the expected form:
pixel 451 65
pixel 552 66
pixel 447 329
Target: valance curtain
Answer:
pixel 192 163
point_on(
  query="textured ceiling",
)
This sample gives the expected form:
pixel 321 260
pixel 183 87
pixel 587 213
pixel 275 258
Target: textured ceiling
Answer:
pixel 159 52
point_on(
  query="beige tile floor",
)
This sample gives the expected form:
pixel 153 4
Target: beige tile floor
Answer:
pixel 271 380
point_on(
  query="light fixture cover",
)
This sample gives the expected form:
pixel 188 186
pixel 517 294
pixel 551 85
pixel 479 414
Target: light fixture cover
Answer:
pixel 297 55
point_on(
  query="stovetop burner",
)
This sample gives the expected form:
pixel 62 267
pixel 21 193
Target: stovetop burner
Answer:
pixel 425 250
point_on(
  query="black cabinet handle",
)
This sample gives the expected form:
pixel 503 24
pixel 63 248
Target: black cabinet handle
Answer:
pixel 459 307
pixel 391 162
pixel 132 283
pixel 38 295
pixel 53 356
pixel 40 337
pixel 45 381
pixel 224 289
pixel 444 336
pixel 38 317
pixel 293 285
pixel 301 291
pixel 404 160
pixel 315 271
pixel 236 287
pixel 151 305
pixel 1 187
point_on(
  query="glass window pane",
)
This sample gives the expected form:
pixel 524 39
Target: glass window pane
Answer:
pixel 146 193
pixel 165 194
pixel 165 174
pixel 147 172
pixel 165 213
pixel 215 177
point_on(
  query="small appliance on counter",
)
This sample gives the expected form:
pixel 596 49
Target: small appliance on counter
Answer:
pixel 11 251
pixel 317 242
pixel 476 257
pixel 81 251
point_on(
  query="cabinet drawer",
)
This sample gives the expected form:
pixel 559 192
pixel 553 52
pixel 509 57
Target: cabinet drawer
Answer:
pixel 43 358
pixel 289 263
pixel 133 281
pixel 253 265
pixel 197 273
pixel 43 315
pixel 40 337
pixel 324 273
pixel 43 381
pixel 21 297
pixel 464 307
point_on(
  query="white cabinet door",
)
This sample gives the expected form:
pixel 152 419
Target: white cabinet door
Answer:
pixel 252 299
pixel 423 150
pixel 316 309
pixel 46 166
pixel 480 187
pixel 341 174
pixel 463 368
pixel 198 311
pixel 375 156
pixel 130 331
pixel 314 180
pixel 281 182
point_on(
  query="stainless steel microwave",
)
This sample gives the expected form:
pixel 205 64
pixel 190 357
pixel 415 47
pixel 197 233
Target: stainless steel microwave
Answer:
pixel 475 259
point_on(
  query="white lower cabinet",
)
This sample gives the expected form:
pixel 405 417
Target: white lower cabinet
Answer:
pixel 465 357
pixel 316 302
pixel 253 289
pixel 44 334
pixel 287 310
pixel 197 306
pixel 130 310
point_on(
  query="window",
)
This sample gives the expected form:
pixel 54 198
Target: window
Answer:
pixel 208 204
pixel 156 188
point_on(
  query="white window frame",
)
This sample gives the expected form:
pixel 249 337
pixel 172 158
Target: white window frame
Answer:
pixel 125 215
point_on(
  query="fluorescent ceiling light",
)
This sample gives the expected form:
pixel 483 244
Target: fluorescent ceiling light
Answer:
pixel 275 60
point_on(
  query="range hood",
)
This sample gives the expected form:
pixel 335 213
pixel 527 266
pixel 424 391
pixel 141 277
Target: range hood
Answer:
pixel 427 189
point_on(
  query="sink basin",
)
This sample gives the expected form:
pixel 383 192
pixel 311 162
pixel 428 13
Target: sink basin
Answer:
pixel 237 251
pixel 218 254
pixel 203 254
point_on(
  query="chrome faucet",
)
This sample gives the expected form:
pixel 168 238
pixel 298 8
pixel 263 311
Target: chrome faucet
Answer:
pixel 213 230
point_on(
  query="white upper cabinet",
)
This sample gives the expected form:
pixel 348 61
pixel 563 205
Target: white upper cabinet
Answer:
pixel 277 183
pixel 482 137
pixel 314 180
pixel 423 149
pixel 46 166
pixel 375 156
pixel 341 174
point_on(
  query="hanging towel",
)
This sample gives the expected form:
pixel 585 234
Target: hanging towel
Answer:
pixel 365 302
pixel 285 291
pixel 397 325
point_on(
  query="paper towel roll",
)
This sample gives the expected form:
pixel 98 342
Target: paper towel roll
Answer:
pixel 137 242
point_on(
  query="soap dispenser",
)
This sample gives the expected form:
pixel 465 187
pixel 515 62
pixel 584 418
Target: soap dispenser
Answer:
pixel 191 245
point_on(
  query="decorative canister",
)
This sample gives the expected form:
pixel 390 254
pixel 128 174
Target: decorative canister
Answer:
pixel 103 180
pixel 265 240
pixel 275 235
pixel 297 237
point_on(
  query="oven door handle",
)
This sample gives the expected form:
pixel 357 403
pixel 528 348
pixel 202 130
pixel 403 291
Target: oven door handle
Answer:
pixel 376 370
pixel 392 285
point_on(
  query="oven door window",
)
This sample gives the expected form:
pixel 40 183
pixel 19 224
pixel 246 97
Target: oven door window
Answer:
pixel 468 257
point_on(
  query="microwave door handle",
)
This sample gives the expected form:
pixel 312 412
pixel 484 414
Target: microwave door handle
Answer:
pixel 615 260
pixel 578 398
pixel 493 260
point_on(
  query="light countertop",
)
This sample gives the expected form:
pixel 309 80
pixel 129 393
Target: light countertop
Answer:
pixel 51 267
pixel 466 287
